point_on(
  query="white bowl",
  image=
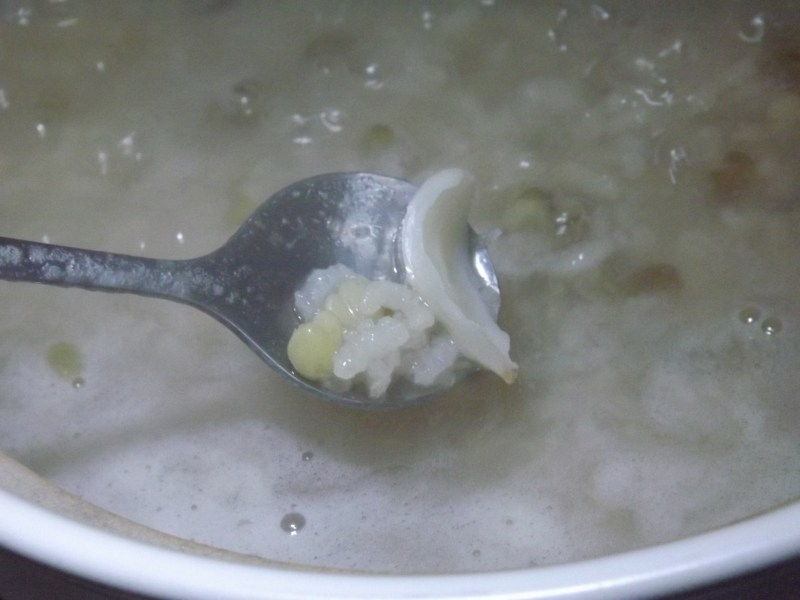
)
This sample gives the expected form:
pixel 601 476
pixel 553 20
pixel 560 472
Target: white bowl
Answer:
pixel 49 525
pixel 147 568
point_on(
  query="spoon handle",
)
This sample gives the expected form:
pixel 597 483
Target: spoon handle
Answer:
pixel 22 260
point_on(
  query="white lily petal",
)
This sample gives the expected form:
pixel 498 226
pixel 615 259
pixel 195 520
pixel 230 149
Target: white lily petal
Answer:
pixel 434 248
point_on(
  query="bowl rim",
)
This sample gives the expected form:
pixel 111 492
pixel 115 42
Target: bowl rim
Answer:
pixel 121 562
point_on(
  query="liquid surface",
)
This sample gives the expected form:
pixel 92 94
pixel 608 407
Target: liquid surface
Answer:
pixel 638 169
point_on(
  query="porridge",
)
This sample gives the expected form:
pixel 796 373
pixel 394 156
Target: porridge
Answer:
pixel 636 165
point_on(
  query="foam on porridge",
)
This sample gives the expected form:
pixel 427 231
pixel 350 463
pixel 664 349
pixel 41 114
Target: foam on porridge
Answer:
pixel 637 167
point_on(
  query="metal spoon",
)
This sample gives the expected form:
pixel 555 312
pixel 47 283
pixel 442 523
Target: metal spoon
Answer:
pixel 248 284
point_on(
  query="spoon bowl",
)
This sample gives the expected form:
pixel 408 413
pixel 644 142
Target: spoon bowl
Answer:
pixel 248 284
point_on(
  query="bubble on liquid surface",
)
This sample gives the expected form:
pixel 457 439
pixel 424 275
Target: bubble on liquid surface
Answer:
pixel 307 456
pixel 749 315
pixel 78 383
pixel 292 523
pixel 771 325
pixel 249 99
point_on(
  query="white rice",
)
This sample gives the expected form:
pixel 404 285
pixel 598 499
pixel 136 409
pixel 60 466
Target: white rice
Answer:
pixel 406 343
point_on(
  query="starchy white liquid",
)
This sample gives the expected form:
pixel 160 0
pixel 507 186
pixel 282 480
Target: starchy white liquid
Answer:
pixel 638 169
